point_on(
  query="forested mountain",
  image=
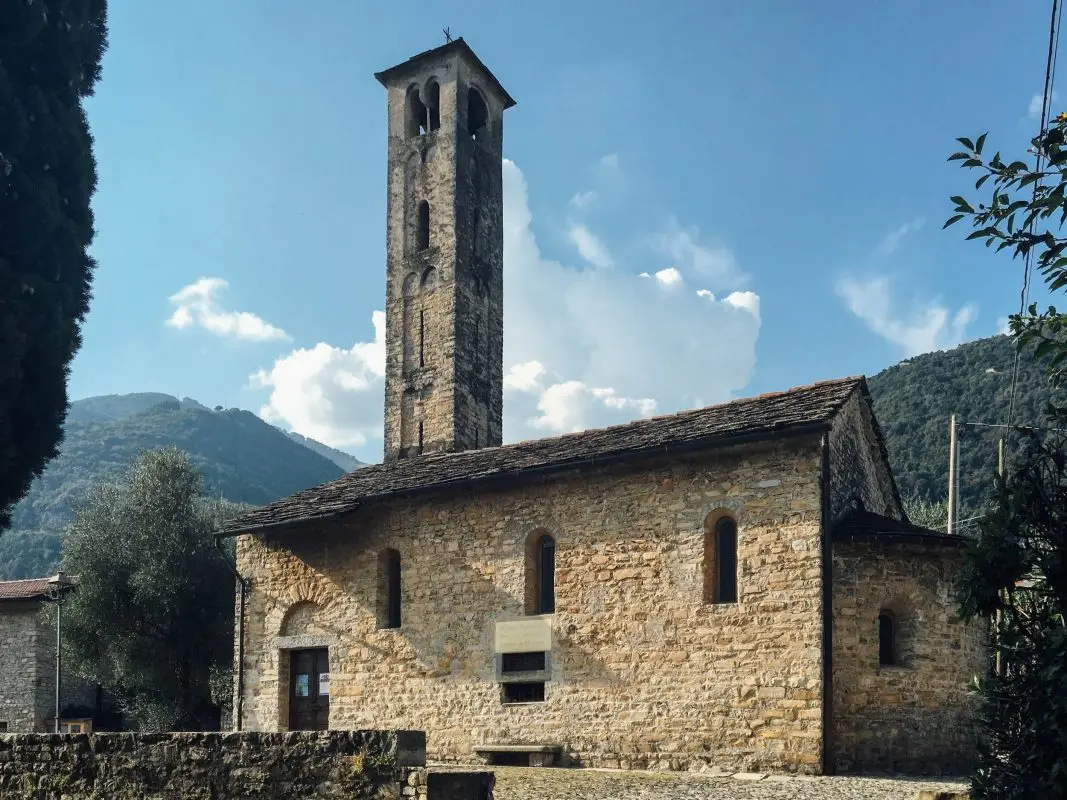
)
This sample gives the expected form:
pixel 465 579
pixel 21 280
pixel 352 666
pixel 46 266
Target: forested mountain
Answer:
pixel 915 399
pixel 242 458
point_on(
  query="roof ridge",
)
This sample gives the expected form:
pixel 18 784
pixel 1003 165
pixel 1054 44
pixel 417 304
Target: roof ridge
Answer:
pixel 788 412
pixel 737 401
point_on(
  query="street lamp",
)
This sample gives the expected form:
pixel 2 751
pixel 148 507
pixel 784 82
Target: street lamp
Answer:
pixel 60 585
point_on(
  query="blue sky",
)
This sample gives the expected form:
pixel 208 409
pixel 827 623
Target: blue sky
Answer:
pixel 704 200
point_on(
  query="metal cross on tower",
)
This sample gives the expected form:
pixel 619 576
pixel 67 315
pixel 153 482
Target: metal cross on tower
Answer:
pixel 448 36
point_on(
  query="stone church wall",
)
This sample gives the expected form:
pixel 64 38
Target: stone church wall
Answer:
pixel 857 467
pixel 644 673
pixel 915 717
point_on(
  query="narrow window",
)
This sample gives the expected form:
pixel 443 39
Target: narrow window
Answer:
pixel 422 338
pixel 422 226
pixel 477 115
pixel 720 560
pixel 546 574
pixel 420 438
pixel 432 94
pixel 726 547
pixel 416 114
pixel 3 726
pixel 389 589
pixel 887 655
pixel 540 572
pixel 533 692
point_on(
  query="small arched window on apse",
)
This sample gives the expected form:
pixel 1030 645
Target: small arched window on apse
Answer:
pixel 477 115
pixel 432 99
pixel 887 639
pixel 422 226
pixel 389 589
pixel 415 113
pixel 720 558
pixel 540 573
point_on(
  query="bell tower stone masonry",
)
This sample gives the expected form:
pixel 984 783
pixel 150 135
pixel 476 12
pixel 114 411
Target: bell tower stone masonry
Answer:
pixel 444 308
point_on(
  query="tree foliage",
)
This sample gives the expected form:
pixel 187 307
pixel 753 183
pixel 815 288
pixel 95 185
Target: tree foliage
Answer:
pixel 1017 567
pixel 152 619
pixel 927 513
pixel 1016 571
pixel 52 51
pixel 1024 212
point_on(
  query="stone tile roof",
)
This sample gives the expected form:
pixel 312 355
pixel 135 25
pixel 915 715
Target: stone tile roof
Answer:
pixel 795 410
pixel 862 524
pixel 30 589
pixel 456 45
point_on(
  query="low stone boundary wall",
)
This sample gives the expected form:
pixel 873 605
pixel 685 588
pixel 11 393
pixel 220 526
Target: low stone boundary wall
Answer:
pixel 220 766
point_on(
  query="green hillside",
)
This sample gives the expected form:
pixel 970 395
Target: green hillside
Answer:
pixel 915 399
pixel 242 458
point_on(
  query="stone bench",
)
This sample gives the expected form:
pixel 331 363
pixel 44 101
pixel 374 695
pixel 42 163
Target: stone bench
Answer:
pixel 537 755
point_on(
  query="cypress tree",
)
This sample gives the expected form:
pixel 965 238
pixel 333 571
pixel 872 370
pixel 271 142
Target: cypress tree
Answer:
pixel 50 54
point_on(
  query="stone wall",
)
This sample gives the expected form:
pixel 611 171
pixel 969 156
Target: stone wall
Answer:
pixel 857 467
pixel 203 766
pixel 644 673
pixel 23 696
pixel 916 717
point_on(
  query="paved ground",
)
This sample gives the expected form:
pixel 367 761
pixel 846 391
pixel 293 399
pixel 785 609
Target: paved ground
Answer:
pixel 527 783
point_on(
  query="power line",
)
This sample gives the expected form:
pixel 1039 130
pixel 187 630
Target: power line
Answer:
pixel 1012 427
pixel 1046 107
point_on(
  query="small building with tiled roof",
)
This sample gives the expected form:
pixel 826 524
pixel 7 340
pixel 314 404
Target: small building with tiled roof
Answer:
pixel 734 586
pixel 28 661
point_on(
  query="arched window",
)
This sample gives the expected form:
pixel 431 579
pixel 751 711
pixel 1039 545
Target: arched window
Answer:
pixel 540 573
pixel 429 279
pixel 415 114
pixel 432 97
pixel 887 639
pixel 720 559
pixel 477 115
pixel 389 589
pixel 422 226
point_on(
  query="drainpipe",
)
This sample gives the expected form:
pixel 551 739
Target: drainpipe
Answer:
pixel 242 584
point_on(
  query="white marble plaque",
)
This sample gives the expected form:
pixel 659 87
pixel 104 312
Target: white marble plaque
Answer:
pixel 523 635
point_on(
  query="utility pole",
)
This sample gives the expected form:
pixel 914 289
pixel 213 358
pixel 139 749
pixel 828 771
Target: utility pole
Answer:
pixel 998 622
pixel 952 467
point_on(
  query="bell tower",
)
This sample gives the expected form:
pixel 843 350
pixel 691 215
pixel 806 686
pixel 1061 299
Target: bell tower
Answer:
pixel 444 303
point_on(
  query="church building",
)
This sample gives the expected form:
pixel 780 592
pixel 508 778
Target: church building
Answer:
pixel 731 587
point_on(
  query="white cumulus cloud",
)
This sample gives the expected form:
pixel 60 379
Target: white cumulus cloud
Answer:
pixel 584 346
pixel 197 305
pixel 329 393
pixel 924 327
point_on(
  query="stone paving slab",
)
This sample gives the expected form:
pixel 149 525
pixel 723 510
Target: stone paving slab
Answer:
pixel 533 783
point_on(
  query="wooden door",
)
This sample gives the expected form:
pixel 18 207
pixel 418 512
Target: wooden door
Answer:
pixel 309 690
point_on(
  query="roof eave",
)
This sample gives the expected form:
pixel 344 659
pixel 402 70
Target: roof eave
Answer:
pixel 386 75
